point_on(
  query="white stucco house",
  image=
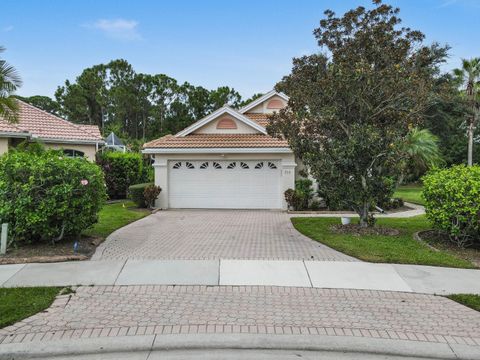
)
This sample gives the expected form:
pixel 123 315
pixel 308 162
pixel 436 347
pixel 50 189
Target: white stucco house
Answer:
pixel 225 161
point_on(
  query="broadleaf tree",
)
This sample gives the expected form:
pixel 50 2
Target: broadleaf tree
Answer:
pixel 353 104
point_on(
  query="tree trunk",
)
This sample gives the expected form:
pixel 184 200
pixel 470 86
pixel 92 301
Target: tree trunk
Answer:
pixel 471 128
pixel 364 211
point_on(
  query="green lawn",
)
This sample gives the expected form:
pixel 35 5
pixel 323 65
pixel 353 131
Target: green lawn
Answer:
pixel 114 216
pixel 19 303
pixel 470 300
pixel 410 193
pixel 401 249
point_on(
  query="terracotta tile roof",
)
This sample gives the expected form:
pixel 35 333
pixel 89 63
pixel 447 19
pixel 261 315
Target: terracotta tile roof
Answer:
pixel 43 125
pixel 92 129
pixel 217 141
pixel 260 119
pixel 6 127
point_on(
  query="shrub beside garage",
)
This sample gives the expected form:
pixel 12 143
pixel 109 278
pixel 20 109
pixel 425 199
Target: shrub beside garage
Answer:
pixel 123 170
pixel 47 196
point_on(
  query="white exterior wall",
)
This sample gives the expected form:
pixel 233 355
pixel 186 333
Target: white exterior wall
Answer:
pixel 161 169
pixel 211 127
pixel 3 145
pixel 87 149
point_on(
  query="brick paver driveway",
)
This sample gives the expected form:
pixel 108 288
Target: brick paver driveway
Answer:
pixel 214 234
pixel 138 310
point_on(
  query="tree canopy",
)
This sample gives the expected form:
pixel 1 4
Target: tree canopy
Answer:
pixel 352 105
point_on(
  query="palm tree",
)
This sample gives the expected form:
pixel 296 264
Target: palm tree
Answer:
pixel 9 82
pixel 469 76
pixel 419 152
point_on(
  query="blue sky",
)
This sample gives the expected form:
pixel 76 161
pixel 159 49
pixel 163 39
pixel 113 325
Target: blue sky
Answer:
pixel 245 44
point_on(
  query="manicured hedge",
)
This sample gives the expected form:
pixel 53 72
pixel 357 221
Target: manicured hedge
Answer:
pixel 46 196
pixel 122 170
pixel 452 202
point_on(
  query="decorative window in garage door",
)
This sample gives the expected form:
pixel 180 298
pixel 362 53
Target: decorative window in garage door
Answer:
pixel 244 165
pixel 271 165
pixel 232 165
pixel 177 165
pixel 259 165
pixel 189 165
pixel 216 165
pixel 204 165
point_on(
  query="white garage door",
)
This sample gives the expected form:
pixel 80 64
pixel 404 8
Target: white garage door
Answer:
pixel 239 184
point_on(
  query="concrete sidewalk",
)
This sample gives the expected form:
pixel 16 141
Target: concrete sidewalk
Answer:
pixel 238 346
pixel 316 274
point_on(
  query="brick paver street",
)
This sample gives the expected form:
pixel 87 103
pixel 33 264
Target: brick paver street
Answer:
pixel 215 234
pixel 138 310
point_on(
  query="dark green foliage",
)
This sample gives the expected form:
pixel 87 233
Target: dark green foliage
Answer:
pixel 300 198
pixel 121 170
pixel 42 102
pixel 46 196
pixel 452 202
pixel 137 194
pixel 137 106
pixel 350 112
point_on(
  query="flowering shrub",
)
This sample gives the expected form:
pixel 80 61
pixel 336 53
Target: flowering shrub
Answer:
pixel 47 196
pixel 452 202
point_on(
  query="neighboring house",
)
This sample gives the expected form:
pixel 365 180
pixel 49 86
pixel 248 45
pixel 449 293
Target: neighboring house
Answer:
pixel 226 160
pixel 52 131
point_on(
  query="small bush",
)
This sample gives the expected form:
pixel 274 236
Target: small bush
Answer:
pixel 137 194
pixel 299 199
pixel 46 196
pixel 122 170
pixel 150 194
pixel 452 202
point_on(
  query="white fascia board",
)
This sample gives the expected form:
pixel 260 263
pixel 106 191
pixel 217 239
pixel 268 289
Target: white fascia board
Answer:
pixel 67 141
pixel 284 150
pixel 216 114
pixel 261 99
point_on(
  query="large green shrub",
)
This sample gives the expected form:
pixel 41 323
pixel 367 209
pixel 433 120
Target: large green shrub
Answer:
pixel 46 196
pixel 122 170
pixel 452 202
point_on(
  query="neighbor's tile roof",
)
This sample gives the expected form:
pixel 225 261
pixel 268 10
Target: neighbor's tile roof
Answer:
pixel 44 125
pixel 6 127
pixel 217 141
pixel 260 119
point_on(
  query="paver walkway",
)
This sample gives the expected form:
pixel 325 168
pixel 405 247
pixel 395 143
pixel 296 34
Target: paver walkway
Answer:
pixel 139 310
pixel 215 234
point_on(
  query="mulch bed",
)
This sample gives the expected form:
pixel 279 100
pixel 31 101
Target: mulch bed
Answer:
pixel 48 252
pixel 441 241
pixel 355 229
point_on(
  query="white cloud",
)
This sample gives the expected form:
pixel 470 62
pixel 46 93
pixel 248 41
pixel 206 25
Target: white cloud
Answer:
pixel 120 29
pixel 7 28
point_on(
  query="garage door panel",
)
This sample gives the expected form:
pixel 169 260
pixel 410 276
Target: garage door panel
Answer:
pixel 218 186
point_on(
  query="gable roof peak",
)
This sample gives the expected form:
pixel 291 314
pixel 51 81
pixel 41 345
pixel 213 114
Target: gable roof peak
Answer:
pixel 224 109
pixel 262 99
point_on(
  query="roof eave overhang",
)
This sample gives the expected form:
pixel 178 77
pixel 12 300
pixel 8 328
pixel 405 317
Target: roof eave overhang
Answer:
pixel 245 150
pixel 14 134
pixel 68 141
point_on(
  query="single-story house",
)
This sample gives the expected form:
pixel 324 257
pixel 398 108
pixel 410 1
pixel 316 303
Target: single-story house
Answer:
pixel 226 161
pixel 52 131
